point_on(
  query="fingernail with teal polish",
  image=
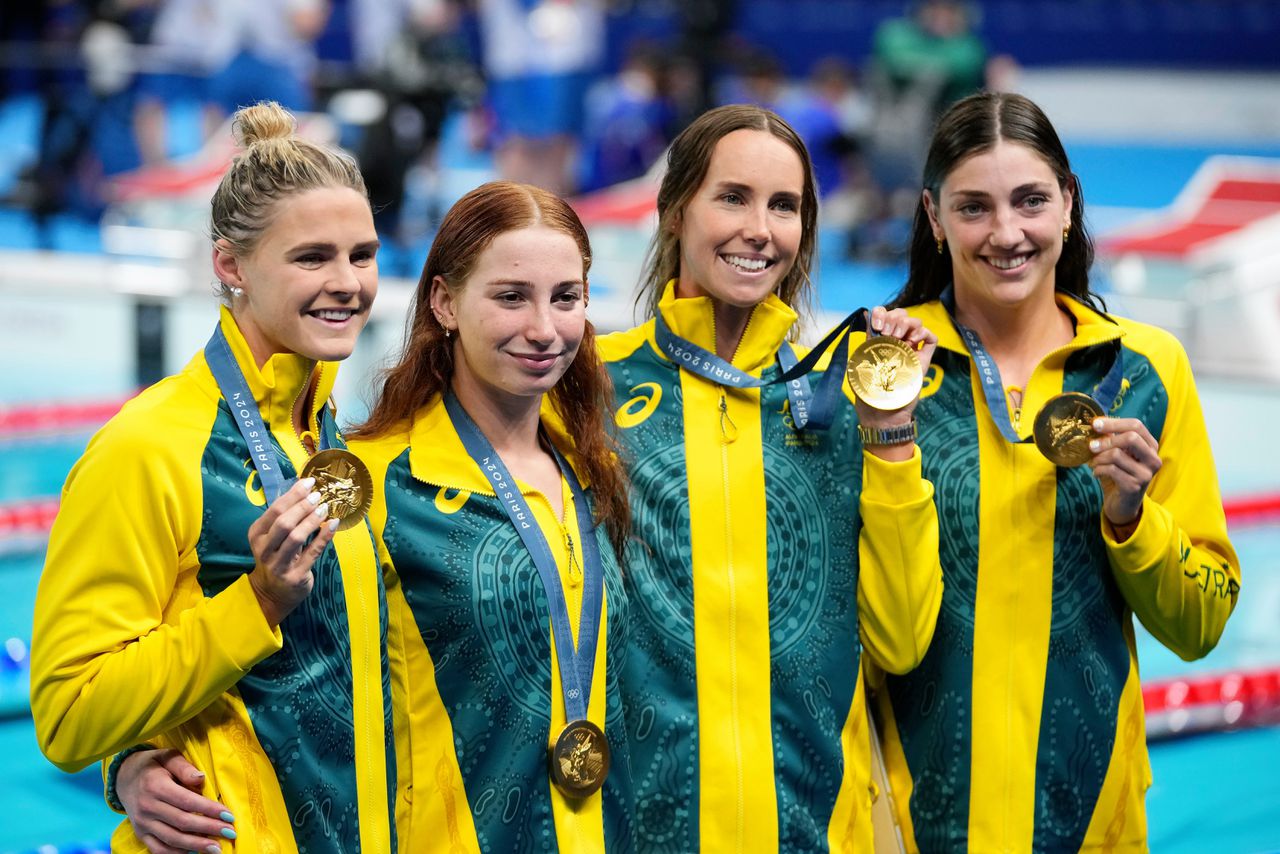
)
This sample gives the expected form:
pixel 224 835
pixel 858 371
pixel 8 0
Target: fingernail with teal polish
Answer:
pixel 229 833
pixel 227 817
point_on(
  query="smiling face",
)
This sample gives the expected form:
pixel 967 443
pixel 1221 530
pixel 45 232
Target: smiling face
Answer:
pixel 740 231
pixel 311 278
pixel 1002 214
pixel 518 318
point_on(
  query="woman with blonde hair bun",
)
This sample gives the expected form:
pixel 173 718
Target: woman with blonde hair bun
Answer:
pixel 212 587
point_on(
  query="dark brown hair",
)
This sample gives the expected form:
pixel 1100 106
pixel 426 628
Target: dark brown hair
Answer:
pixel 584 394
pixel 972 126
pixel 688 160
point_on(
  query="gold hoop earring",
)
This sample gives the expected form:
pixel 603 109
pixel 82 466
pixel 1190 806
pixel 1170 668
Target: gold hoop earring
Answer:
pixel 940 241
pixel 1066 234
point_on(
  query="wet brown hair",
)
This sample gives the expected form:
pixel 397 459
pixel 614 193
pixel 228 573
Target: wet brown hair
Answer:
pixel 972 126
pixel 688 160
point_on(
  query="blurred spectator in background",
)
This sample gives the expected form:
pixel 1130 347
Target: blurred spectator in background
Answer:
pixel 83 67
pixel 932 50
pixel 855 198
pixel 540 56
pixel 814 118
pixel 628 120
pixel 228 54
pixel 703 49
pixel 412 55
pixel 920 65
pixel 21 25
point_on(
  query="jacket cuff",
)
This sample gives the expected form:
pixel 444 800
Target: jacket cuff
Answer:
pixel 1148 543
pixel 894 483
pixel 112 771
pixel 252 638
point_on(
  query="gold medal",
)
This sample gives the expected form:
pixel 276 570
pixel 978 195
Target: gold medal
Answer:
pixel 579 759
pixel 1064 428
pixel 885 373
pixel 343 483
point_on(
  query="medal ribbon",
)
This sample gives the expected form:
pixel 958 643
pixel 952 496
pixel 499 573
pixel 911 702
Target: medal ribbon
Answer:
pixel 993 388
pixel 235 390
pixel 808 409
pixel 577 666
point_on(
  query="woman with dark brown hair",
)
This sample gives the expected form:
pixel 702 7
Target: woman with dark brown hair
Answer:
pixel 505 582
pixel 1076 491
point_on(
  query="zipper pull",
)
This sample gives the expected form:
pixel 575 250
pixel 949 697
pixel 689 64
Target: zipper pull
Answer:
pixel 575 569
pixel 728 429
pixel 1017 418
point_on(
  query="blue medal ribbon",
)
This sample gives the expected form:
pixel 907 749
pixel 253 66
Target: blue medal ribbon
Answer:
pixel 993 388
pixel 808 409
pixel 577 666
pixel 244 409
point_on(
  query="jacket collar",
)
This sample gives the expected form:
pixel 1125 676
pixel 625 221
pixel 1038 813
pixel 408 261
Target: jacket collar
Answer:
pixel 438 457
pixel 1092 327
pixel 693 319
pixel 277 385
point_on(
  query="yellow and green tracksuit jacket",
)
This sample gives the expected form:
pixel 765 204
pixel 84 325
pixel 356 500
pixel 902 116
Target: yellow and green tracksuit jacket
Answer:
pixel 146 628
pixel 770 556
pixel 1022 730
pixel 483 694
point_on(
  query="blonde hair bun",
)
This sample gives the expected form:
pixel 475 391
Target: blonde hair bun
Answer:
pixel 262 121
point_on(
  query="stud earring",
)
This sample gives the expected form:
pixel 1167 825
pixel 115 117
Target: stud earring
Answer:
pixel 237 292
pixel 940 241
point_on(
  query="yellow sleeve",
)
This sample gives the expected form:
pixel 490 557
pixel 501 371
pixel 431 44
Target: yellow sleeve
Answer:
pixel 120 651
pixel 1178 570
pixel 900 575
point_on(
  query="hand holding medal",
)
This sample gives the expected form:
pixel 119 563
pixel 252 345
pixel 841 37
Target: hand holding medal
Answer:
pixel 344 485
pixel 887 370
pixel 1063 428
pixel 1125 459
pixel 286 540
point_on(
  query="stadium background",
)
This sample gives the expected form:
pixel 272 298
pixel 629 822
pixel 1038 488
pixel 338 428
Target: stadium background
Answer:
pixel 1170 110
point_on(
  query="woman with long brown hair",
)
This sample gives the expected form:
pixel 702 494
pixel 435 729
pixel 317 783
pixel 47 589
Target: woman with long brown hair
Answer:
pixel 773 552
pixel 504 527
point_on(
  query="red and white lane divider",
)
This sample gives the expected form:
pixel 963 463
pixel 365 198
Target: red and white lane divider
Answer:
pixel 1212 703
pixel 20 422
pixel 28 518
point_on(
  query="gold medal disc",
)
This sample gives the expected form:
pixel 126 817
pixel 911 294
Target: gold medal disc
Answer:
pixel 885 373
pixel 1064 428
pixel 579 759
pixel 343 483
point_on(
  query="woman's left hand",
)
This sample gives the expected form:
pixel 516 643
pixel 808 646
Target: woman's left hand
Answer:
pixel 1125 459
pixel 898 324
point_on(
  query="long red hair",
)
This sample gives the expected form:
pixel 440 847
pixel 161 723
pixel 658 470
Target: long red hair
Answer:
pixel 584 394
